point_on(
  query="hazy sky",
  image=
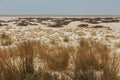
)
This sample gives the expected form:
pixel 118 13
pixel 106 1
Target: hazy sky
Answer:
pixel 59 7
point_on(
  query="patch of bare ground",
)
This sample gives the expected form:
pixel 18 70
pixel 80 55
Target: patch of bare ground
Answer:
pixel 22 23
pixel 1 24
pixel 59 22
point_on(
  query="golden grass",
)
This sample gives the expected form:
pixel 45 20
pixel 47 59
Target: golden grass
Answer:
pixel 90 61
pixel 5 40
pixel 93 33
pixel 66 39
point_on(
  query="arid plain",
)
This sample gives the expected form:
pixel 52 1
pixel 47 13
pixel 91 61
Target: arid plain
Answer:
pixel 60 48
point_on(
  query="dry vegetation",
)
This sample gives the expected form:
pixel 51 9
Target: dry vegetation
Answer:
pixel 83 25
pixel 37 49
pixel 5 39
pixel 89 61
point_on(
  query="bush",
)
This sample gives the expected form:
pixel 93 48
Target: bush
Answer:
pixel 98 26
pixel 1 24
pixel 5 40
pixel 66 39
pixel 83 25
pixel 22 23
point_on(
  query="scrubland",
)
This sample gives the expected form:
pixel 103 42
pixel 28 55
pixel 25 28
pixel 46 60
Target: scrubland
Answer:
pixel 57 49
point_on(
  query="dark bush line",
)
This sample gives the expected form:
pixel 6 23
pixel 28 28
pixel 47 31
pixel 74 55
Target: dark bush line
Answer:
pixel 83 25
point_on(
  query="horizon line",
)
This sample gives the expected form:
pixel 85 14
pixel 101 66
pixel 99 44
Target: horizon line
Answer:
pixel 59 15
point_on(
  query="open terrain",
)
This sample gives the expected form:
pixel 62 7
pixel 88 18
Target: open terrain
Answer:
pixel 60 48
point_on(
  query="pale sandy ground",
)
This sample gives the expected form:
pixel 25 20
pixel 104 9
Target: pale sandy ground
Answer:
pixel 71 30
pixel 114 26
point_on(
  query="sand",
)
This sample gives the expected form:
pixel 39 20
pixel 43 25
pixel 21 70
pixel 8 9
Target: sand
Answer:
pixel 74 33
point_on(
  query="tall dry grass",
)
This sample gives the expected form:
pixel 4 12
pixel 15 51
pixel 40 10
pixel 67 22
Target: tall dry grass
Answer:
pixel 90 61
pixel 5 39
pixel 93 62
